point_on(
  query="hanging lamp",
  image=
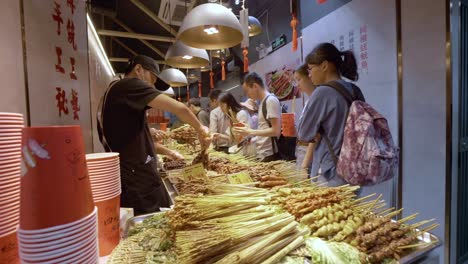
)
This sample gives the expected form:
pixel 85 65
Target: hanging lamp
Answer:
pixel 255 27
pixel 221 53
pixel 180 55
pixel 210 26
pixel 173 77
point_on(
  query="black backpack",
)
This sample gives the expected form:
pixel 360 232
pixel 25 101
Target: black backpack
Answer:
pixel 286 146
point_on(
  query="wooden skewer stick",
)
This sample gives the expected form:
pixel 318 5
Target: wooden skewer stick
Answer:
pixel 424 244
pixel 373 204
pixel 408 218
pixel 385 211
pixel 364 198
pixel 416 225
pixel 429 228
pixel 392 214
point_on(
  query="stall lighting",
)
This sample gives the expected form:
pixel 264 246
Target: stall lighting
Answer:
pixel 187 57
pixel 102 54
pixel 211 30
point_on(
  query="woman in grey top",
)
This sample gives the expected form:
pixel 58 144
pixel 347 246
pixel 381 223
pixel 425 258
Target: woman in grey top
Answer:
pixel 324 116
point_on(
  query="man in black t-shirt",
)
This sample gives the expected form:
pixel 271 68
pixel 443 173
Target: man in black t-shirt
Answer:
pixel 125 130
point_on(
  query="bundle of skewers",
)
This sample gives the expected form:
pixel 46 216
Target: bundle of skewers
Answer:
pixel 233 225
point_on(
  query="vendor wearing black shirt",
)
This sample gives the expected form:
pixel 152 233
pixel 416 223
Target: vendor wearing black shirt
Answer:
pixel 126 131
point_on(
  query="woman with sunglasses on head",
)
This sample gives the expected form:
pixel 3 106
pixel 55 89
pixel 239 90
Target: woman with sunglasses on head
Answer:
pixel 326 111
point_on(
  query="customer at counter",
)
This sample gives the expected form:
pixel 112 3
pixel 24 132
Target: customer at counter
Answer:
pixel 124 129
pixel 304 150
pixel 195 106
pixel 219 122
pixel 238 116
pixel 326 111
pixel 251 106
pixel 269 123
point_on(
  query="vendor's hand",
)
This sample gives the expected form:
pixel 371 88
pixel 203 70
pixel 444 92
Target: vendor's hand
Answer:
pixel 215 136
pixel 204 137
pixel 174 155
pixel 242 131
pixel 157 134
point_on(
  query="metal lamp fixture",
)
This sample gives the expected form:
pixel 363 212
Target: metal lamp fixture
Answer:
pixel 255 27
pixel 210 26
pixel 220 54
pixel 182 56
pixel 173 77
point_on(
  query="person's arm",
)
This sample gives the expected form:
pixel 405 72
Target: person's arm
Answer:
pixel 308 156
pixel 273 131
pixel 274 114
pixel 172 154
pixel 184 114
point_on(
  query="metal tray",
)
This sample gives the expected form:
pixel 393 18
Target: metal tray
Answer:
pixel 418 253
pixel 410 256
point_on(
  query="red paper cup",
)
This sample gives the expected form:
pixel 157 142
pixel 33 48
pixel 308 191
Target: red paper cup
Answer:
pixel 9 246
pixel 288 124
pixel 93 165
pixel 108 170
pixel 57 232
pixel 108 225
pixel 163 126
pixel 94 157
pixel 55 189
pixel 62 254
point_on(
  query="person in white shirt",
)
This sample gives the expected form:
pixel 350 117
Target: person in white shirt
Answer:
pixel 219 122
pixel 269 128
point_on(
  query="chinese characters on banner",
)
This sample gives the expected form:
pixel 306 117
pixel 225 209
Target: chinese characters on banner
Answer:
pixel 358 45
pixel 65 64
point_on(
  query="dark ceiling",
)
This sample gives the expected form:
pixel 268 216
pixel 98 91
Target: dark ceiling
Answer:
pixel 117 14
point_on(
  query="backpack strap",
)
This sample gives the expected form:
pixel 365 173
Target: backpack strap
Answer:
pixel 350 98
pixel 274 140
pixel 100 118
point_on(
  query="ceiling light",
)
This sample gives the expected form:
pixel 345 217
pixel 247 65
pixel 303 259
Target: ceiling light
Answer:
pixel 182 56
pixel 219 27
pixel 173 77
pixel 255 27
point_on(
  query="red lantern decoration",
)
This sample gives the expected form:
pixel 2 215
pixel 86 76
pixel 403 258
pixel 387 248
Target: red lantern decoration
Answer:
pixel 245 52
pixel 212 84
pixel 294 23
pixel 223 70
pixel 199 88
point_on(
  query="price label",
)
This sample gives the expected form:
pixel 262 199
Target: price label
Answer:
pixel 194 172
pixel 242 177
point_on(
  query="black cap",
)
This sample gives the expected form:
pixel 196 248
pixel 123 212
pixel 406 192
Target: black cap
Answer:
pixel 146 62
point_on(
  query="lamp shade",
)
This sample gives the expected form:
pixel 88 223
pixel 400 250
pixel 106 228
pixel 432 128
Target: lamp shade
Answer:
pixel 193 76
pixel 224 53
pixel 210 26
pixel 255 27
pixel 204 69
pixel 182 56
pixel 170 92
pixel 173 77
